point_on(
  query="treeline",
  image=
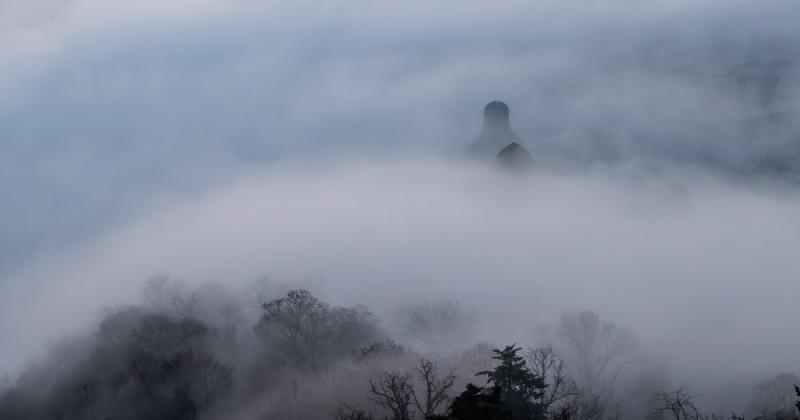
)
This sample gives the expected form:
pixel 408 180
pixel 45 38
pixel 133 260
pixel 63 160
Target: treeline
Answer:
pixel 273 353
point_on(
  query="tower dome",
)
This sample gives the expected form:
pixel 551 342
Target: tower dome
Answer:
pixel 497 137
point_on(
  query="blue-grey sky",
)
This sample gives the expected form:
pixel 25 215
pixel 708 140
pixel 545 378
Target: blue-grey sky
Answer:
pixel 103 105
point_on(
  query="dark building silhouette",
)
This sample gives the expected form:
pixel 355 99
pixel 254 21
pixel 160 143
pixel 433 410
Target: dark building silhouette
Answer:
pixel 498 142
pixel 514 158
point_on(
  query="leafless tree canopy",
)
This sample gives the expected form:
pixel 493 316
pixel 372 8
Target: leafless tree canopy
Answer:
pixel 677 405
pixel 774 397
pixel 561 388
pixel 595 350
pixel 392 391
pixel 434 391
pixel 422 390
pixel 165 294
pixel 312 332
pixel 440 325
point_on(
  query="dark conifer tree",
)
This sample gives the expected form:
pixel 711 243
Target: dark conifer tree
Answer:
pixel 513 392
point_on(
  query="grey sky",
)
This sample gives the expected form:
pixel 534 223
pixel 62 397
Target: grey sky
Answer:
pixel 104 104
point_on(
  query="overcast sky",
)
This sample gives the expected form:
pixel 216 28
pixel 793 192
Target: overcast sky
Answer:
pixel 103 104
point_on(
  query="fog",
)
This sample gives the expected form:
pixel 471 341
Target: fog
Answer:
pixel 321 146
pixel 701 268
pixel 103 106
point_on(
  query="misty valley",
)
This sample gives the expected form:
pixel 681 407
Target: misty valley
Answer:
pixel 209 352
pixel 416 210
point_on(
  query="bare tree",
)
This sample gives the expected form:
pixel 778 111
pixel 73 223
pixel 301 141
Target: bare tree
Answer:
pixel 166 295
pixel 435 389
pixel 351 412
pixel 185 302
pixel 393 392
pixel 312 332
pixel 774 397
pixel 678 405
pixel 587 408
pixel 382 355
pixel 476 358
pixel 595 350
pixel 215 378
pixel 155 292
pixel 439 325
pixel 561 389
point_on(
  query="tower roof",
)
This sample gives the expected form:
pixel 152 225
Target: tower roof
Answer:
pixel 496 113
pixel 514 157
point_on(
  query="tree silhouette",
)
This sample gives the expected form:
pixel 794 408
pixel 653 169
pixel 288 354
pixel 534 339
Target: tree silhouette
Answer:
pixel 435 388
pixel 392 391
pixel 311 332
pixel 561 389
pixel 513 392
pixel 521 390
pixel 797 391
pixel 595 351
pixel 678 405
pixel 477 403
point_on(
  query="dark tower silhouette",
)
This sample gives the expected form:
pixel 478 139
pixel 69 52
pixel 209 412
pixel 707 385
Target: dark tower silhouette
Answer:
pixel 514 158
pixel 498 141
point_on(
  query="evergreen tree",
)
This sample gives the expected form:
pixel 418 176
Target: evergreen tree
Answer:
pixel 477 403
pixel 513 392
pixel 520 389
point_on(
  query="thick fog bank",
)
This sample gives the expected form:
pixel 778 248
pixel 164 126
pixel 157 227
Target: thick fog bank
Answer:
pixel 704 269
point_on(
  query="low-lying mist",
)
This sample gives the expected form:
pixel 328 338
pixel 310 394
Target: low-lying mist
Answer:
pixel 702 268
